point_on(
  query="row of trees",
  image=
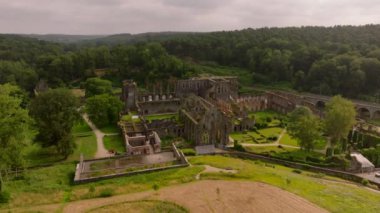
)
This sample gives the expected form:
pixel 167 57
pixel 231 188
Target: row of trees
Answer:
pixel 338 121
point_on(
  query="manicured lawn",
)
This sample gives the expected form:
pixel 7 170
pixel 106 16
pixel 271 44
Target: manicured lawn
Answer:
pixel 85 141
pixel 114 142
pixel 267 132
pixel 325 191
pixel 288 140
pixel 150 118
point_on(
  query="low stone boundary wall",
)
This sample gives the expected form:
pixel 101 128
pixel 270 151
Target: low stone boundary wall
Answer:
pixel 87 180
pixel 332 172
pixel 79 168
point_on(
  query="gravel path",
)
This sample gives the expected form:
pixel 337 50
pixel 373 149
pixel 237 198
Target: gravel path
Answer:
pixel 102 151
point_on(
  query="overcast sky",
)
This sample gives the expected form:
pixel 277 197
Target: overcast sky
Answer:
pixel 127 16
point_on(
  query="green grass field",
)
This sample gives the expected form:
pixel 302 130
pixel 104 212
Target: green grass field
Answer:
pixel 328 192
pixel 114 142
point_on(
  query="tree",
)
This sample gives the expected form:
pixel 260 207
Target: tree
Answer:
pixel 103 109
pixel 305 127
pixel 18 73
pixel 15 131
pixel 97 86
pixel 55 112
pixel 339 118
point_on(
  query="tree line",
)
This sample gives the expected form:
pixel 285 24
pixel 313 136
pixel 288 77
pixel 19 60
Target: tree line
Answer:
pixel 325 60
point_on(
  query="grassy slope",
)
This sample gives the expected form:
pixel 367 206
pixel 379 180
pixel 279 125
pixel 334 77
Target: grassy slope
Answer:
pixel 55 181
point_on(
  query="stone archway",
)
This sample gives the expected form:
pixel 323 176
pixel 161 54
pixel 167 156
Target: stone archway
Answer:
pixel 376 115
pixel 364 113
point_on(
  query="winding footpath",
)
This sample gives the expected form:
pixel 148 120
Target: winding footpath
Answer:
pixel 101 150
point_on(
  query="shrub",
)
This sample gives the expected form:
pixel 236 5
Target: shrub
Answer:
pixel 339 160
pixel 155 187
pixel 238 147
pixel 297 171
pixel 107 192
pixel 313 159
pixel 272 137
pixel 365 182
pixel 189 152
pixel 5 197
pixel 269 119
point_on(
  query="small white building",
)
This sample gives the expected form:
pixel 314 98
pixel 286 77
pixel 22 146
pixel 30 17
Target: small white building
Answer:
pixel 361 164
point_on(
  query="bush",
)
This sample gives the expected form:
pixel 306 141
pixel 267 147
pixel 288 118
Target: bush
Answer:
pixel 339 160
pixel 107 192
pixel 155 187
pixel 189 152
pixel 269 119
pixel 297 171
pixel 313 159
pixel 238 147
pixel 272 137
pixel 365 182
pixel 5 197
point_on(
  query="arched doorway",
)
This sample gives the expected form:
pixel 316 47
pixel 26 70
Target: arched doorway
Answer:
pixel 364 113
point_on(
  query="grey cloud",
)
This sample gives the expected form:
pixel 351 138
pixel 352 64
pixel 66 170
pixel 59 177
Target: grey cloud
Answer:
pixel 118 16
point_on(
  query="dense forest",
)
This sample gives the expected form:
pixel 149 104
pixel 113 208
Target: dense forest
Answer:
pixel 324 60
